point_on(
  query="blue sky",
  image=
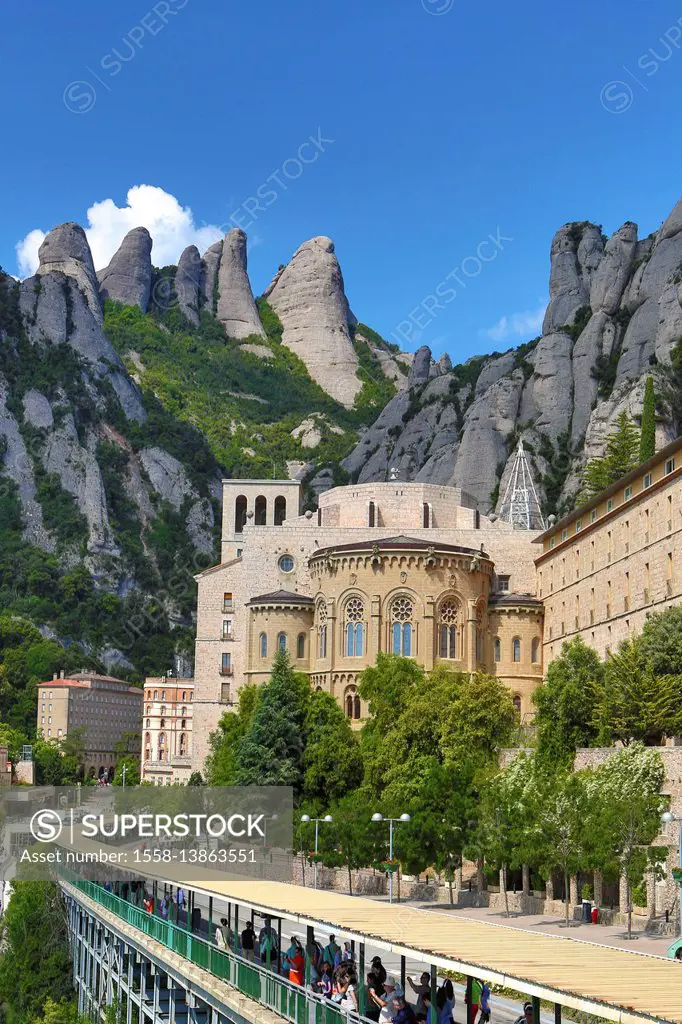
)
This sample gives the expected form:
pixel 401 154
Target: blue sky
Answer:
pixel 451 120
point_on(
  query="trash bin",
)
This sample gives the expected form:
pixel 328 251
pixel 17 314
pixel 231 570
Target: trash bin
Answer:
pixel 595 915
pixel 587 911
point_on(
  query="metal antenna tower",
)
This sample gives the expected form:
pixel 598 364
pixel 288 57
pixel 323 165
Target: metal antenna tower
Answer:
pixel 520 505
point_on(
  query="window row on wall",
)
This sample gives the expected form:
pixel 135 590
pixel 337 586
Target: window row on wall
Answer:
pixel 402 628
pixel 599 554
pixel 282 643
pixel 184 696
pixel 516 652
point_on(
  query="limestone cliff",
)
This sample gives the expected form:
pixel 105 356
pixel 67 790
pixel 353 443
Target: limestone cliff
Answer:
pixel 614 314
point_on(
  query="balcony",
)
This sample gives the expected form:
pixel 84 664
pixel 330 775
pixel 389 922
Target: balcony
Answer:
pixel 226 671
pixel 227 634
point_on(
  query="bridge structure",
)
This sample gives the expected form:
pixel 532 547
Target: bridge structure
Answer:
pixel 172 972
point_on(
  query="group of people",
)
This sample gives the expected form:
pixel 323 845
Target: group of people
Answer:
pixel 333 974
pixel 387 1001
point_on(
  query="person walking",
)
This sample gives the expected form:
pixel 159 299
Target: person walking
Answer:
pixel 295 961
pixel 222 935
pixel 420 989
pixel 331 951
pixel 314 955
pixel 446 1002
pixel 374 1000
pixel 248 941
pixel 476 989
pixel 379 972
pixel 268 948
pixel 485 1003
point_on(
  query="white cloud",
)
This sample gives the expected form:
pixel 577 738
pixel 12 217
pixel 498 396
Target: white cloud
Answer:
pixel 171 226
pixel 516 325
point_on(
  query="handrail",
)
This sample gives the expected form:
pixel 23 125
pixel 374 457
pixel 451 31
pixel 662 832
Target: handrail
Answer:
pixel 292 1002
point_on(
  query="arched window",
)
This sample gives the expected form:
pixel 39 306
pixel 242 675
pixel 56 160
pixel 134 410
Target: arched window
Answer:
pixel 239 514
pixel 162 746
pixel 183 724
pixel 149 722
pixel 497 649
pixel 282 641
pixel 156 694
pixel 535 650
pixel 263 641
pixel 183 744
pixel 322 630
pixel 300 645
pixel 371 514
pixel 448 629
pixel 260 511
pixel 149 694
pixel 147 747
pixel 352 703
pixel 184 694
pixel 162 723
pixel 280 509
pixel 426 514
pixel 149 709
pixel 517 702
pixel 163 709
pixel 402 613
pixel 354 628
pixel 516 649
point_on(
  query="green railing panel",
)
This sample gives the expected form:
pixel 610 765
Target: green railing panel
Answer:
pixel 260 984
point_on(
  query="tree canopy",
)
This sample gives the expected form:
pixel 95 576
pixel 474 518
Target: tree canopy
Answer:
pixel 621 454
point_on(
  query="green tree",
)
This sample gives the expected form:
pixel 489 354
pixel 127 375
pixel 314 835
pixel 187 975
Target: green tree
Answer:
pixel 635 703
pixel 441 818
pixel 564 818
pixel 196 779
pixel 566 703
pixel 221 763
pixel 271 752
pixel 59 762
pixel 625 791
pixel 332 761
pixel 132 767
pixel 662 641
pixel 63 1012
pixel 647 443
pixel 35 963
pixel 351 838
pixel 621 454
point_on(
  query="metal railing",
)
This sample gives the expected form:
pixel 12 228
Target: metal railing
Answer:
pixel 290 1001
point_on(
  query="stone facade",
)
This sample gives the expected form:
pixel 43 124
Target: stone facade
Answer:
pixel 167 730
pixel 406 566
pixel 612 562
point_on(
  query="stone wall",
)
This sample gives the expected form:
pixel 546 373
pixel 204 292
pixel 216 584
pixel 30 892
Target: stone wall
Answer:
pixel 602 580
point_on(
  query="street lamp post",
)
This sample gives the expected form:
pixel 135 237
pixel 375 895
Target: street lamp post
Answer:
pixel 391 822
pixel 667 819
pixel 123 773
pixel 306 819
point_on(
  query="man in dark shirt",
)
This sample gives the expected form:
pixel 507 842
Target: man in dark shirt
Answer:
pixel 248 941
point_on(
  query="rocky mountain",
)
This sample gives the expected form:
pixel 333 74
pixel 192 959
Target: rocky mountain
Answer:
pixel 127 393
pixel 614 315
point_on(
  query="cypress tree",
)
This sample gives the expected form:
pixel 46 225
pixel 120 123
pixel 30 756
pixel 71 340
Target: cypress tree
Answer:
pixel 647 442
pixel 271 752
